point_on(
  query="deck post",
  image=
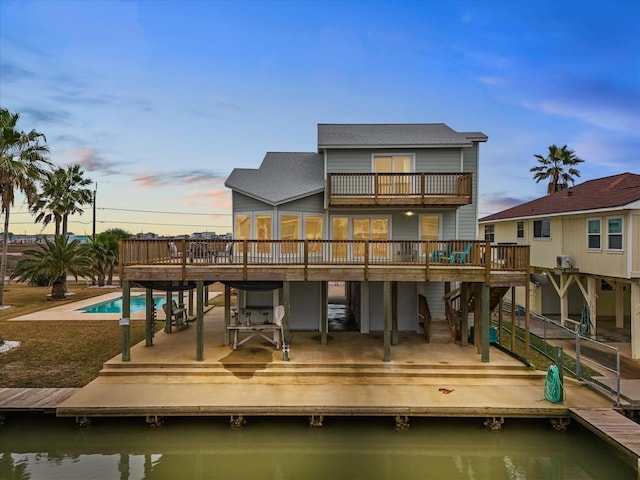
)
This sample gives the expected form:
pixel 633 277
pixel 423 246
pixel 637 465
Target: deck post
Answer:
pixel 635 320
pixel 387 321
pixel 191 302
pixel 286 301
pixel 485 322
pixel 199 320
pixel 168 311
pixel 513 318
pixel 464 314
pixel 150 317
pixel 477 317
pixel 527 318
pixel 324 317
pixel 125 321
pixel 227 313
pixel 394 313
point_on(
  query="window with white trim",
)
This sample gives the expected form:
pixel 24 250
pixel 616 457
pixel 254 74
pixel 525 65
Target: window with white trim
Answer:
pixel 489 232
pixel 542 228
pixel 520 230
pixel 594 234
pixel 614 233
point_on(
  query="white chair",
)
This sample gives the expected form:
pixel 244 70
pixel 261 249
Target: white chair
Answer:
pixel 278 315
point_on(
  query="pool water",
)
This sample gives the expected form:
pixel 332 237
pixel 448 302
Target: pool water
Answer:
pixel 138 304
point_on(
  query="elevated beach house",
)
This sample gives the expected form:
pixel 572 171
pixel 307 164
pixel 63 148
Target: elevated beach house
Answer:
pixel 586 241
pixel 390 211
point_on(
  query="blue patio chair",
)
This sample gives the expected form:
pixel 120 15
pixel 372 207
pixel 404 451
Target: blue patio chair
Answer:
pixel 460 256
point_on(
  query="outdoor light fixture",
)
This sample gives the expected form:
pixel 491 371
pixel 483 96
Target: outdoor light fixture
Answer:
pixel 408 213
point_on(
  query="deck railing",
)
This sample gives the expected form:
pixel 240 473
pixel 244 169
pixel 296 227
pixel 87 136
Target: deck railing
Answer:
pixel 349 189
pixel 359 253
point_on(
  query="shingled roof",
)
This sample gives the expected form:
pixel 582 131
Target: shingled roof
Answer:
pixel 602 193
pixel 281 177
pixel 394 135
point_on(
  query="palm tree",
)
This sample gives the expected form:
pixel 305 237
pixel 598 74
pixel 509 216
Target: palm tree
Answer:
pixel 558 167
pixel 102 254
pixel 63 193
pixel 23 163
pixel 55 259
pixel 113 237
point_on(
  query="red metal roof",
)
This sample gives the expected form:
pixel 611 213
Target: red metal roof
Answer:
pixel 601 193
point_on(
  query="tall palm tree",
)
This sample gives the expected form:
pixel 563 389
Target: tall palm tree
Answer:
pixel 64 192
pixel 23 163
pixel 113 237
pixel 557 167
pixel 103 255
pixel 55 259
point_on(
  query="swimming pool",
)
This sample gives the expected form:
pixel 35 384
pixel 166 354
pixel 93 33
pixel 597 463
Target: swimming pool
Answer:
pixel 138 304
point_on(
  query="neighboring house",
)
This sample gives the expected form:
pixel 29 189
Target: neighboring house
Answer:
pixel 390 210
pixel 586 240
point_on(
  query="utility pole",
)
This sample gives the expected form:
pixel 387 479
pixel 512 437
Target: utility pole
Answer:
pixel 95 191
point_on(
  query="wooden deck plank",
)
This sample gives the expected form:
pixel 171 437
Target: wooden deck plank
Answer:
pixel 24 399
pixel 612 426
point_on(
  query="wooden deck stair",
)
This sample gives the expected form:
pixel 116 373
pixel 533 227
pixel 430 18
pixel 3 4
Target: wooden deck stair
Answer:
pixel 320 373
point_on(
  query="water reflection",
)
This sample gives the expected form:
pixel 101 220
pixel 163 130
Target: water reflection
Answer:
pixel 43 447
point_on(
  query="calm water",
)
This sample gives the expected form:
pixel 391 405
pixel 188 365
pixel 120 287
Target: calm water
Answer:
pixel 45 447
pixel 138 304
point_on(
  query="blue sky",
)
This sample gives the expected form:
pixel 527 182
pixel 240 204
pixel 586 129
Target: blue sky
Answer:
pixel 159 101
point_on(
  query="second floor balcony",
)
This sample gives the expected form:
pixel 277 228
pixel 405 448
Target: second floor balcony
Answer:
pixel 399 189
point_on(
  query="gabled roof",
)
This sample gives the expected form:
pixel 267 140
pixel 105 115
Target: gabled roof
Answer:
pixel 281 177
pixel 394 135
pixel 601 193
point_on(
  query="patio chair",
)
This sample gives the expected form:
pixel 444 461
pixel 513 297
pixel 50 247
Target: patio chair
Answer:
pixel 173 250
pixel 278 315
pixel 178 317
pixel 460 256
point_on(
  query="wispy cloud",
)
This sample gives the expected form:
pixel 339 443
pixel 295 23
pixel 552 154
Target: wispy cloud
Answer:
pixel 12 72
pixel 91 161
pixel 177 177
pixel 496 202
pixel 41 115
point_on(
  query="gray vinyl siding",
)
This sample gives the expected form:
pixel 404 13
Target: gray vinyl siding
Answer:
pixel 311 204
pixel 407 307
pixel 468 214
pixel 426 160
pixel 444 160
pixel 348 161
pixel 244 204
pixel 305 306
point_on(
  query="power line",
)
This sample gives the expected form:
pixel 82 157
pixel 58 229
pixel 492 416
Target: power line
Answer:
pixel 165 213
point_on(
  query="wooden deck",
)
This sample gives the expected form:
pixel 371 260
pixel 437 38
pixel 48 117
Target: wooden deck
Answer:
pixel 611 426
pixel 33 399
pixel 324 260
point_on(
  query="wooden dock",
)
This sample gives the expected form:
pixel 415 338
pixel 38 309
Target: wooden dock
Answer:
pixel 33 399
pixel 612 427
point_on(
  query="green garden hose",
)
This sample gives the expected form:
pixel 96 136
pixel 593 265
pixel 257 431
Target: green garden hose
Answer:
pixel 553 386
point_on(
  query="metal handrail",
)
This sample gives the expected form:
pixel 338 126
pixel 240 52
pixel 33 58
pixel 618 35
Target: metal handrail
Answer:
pixel 580 357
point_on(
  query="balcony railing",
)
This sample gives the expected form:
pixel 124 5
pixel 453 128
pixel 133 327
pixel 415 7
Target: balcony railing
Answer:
pixel 309 253
pixel 399 189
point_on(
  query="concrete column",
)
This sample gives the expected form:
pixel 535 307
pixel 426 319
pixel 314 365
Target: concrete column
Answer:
pixel 635 320
pixel 199 320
